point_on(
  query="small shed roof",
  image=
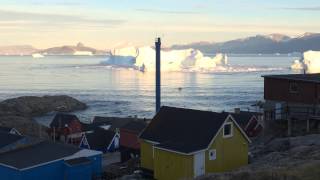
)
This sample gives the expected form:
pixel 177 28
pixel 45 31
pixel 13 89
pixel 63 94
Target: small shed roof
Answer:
pixel 314 78
pixel 183 130
pixel 7 139
pixel 61 119
pixel 37 154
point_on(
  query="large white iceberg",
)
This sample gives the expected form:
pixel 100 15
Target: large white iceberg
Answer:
pixel 171 60
pixel 310 62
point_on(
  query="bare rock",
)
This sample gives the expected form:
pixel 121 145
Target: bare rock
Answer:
pixel 37 106
pixel 18 112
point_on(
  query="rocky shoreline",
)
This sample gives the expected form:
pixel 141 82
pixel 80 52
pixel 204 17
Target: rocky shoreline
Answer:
pixel 19 112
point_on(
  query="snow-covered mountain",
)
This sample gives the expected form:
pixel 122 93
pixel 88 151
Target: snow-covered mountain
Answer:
pixel 260 44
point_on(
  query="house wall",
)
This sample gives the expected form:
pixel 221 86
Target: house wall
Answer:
pixel 170 165
pixel 278 90
pixel 55 170
pixel 96 164
pixel 9 174
pixel 129 139
pixel 52 171
pixel 78 172
pixel 231 152
pixel 146 155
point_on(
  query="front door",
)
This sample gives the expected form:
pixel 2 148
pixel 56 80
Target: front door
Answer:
pixel 199 164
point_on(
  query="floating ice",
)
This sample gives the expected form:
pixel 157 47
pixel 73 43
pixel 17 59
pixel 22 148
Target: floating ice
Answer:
pixel 310 62
pixel 173 60
pixel 297 65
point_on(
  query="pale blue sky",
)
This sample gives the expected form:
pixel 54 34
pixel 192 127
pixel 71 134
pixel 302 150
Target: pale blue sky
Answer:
pixel 110 23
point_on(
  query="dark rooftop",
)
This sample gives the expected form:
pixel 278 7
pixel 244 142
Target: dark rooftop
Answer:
pixel 243 117
pixel 315 78
pixel 5 129
pixel 100 138
pixel 42 152
pixel 78 161
pixel 61 119
pixel 7 138
pixel 136 126
pixel 183 130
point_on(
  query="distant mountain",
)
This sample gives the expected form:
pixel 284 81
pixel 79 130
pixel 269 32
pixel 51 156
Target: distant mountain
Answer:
pixel 17 50
pixel 264 44
pixel 79 49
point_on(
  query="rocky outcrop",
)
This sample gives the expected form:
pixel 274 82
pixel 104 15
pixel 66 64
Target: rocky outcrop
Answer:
pixel 18 112
pixel 29 106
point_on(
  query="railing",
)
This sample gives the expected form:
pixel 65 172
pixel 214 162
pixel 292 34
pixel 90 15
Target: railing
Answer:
pixel 294 112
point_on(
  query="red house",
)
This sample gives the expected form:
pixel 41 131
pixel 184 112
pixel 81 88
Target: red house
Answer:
pixel 294 96
pixel 129 142
pixel 66 128
pixel 250 122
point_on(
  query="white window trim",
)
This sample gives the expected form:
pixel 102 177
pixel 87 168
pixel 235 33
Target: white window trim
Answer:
pixel 215 154
pixel 231 130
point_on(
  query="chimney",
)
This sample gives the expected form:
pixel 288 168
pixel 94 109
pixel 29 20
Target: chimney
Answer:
pixel 158 78
pixel 237 110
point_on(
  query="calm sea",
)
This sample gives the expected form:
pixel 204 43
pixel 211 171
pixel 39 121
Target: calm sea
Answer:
pixel 111 91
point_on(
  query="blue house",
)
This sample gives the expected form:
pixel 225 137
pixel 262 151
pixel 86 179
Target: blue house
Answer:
pixel 100 139
pixel 50 161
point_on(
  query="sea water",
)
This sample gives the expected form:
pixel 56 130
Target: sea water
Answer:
pixel 114 91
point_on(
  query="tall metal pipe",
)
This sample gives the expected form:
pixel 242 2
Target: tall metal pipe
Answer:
pixel 158 74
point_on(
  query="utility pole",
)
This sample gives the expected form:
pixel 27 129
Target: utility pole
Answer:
pixel 158 74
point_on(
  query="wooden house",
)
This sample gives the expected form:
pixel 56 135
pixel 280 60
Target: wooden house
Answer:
pixel 66 128
pixel 183 144
pixel 291 95
pixel 100 139
pixel 129 141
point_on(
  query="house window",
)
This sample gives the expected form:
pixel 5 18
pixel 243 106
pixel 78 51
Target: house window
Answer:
pixel 293 88
pixel 227 130
pixel 212 154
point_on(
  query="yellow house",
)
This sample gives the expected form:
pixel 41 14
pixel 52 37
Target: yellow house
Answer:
pixel 183 143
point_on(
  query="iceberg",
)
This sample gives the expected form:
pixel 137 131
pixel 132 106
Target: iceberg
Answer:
pixel 37 55
pixel 310 62
pixel 83 53
pixel 297 65
pixel 171 60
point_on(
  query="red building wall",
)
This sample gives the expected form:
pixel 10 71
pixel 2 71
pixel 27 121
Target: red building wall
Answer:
pixel 278 90
pixel 129 139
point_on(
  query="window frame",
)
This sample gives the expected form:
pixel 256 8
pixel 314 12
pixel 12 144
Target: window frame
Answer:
pixel 231 130
pixel 215 154
pixel 292 90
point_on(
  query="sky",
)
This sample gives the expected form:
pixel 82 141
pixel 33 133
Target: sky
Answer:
pixel 108 24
